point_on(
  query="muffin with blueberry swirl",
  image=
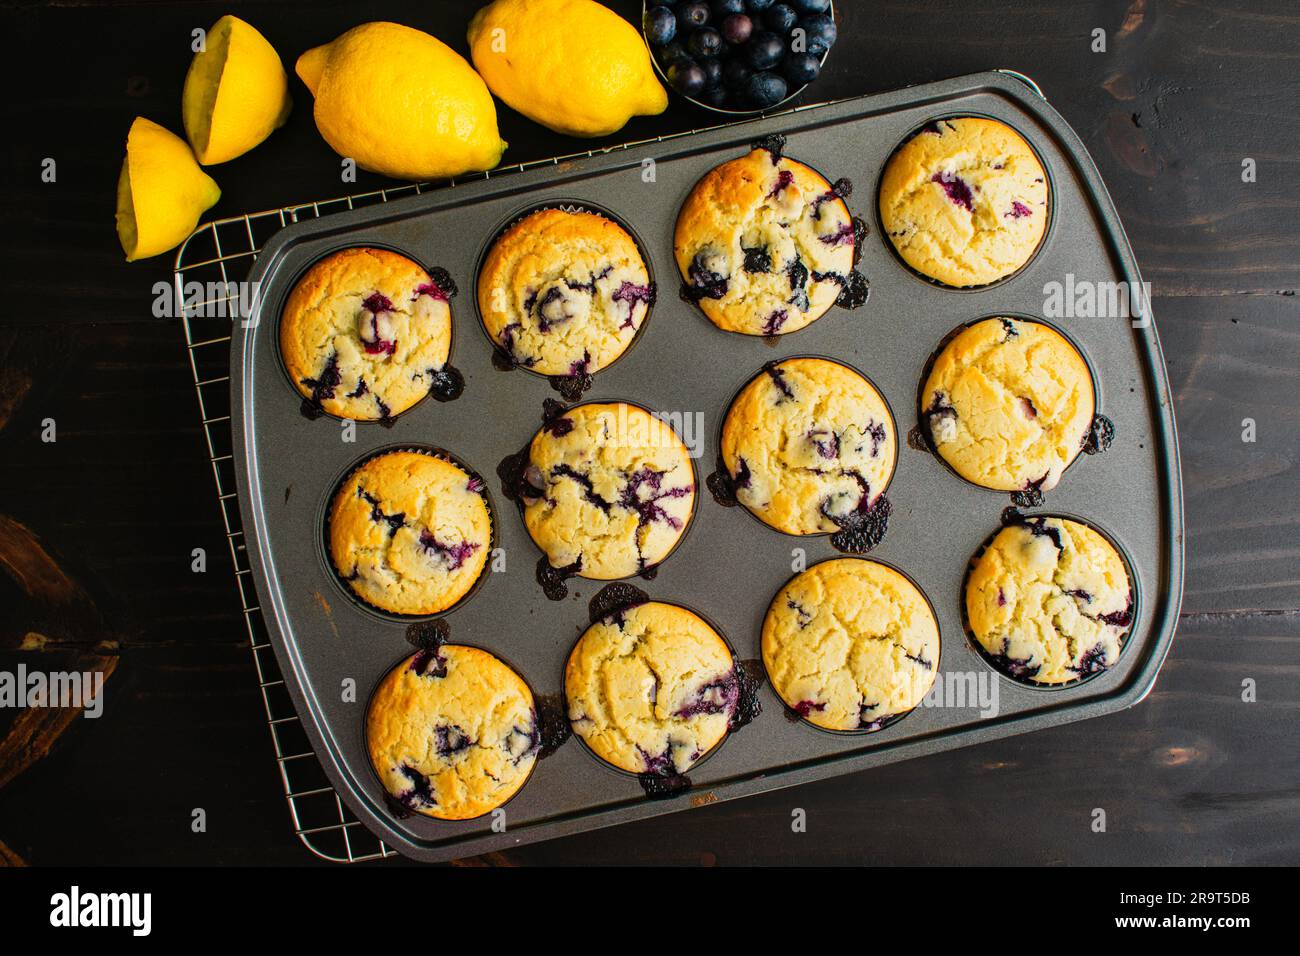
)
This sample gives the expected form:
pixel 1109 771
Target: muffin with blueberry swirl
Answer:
pixel 765 244
pixel 365 334
pixel 452 733
pixel 564 292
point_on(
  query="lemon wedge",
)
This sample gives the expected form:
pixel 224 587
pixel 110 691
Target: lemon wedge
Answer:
pixel 161 191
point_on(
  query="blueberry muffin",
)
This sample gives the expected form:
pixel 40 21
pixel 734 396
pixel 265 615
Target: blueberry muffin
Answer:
pixel 452 732
pixel 807 443
pixel 410 533
pixel 651 689
pixel 366 333
pixel 564 293
pixel 609 490
pixel 1009 404
pixel 765 244
pixel 849 644
pixel 964 201
pixel 1049 601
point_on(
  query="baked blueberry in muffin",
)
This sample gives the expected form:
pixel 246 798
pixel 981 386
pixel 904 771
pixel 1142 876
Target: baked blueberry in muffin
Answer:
pixel 651 688
pixel 410 533
pixel 766 245
pixel 1049 601
pixel 809 447
pixel 563 293
pixel 452 733
pixel 850 644
pixel 607 490
pixel 965 201
pixel 1009 404
pixel 366 333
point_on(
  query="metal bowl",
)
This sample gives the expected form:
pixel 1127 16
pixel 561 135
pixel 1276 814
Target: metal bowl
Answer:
pixel 663 77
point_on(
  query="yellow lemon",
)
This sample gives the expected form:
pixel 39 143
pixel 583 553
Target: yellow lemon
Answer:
pixel 161 191
pixel 401 103
pixel 236 92
pixel 572 65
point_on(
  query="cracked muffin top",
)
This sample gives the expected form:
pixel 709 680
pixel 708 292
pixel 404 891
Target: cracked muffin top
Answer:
pixel 1009 404
pixel 651 688
pixel 410 533
pixel 765 244
pixel 564 293
pixel 964 201
pixel 366 332
pixel 808 443
pixel 850 643
pixel 610 490
pixel 452 732
pixel 1050 601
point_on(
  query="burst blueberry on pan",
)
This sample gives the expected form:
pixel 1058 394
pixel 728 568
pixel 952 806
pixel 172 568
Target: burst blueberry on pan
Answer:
pixel 1050 600
pixel 850 644
pixel 965 201
pixel 809 445
pixel 366 333
pixel 651 688
pixel 766 245
pixel 1009 404
pixel 410 533
pixel 563 293
pixel 608 490
pixel 452 733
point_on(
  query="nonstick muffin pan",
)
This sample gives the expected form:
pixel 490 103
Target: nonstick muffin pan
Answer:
pixel 334 651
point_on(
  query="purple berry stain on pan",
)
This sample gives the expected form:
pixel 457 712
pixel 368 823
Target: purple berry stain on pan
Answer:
pixel 722 484
pixel 612 601
pixel 1100 435
pixel 551 721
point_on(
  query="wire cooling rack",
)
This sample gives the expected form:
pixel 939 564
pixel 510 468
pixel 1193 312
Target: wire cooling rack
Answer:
pixel 209 267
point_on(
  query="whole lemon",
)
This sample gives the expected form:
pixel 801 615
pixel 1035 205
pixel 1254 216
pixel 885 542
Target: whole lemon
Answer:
pixel 572 65
pixel 161 191
pixel 402 103
pixel 236 92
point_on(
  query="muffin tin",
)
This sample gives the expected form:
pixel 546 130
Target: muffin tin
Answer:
pixel 729 566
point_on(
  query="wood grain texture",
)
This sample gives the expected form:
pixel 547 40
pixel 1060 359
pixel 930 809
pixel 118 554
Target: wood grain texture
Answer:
pixel 1185 91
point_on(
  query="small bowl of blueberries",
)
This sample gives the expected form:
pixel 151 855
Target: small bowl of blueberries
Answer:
pixel 739 56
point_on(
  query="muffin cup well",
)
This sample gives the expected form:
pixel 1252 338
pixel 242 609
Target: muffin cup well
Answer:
pixel 695 498
pixel 503 359
pixel 323 522
pixel 923 429
pixel 893 250
pixel 899 438
pixel 293 284
pixel 736 663
pixel 892 719
pixel 374 773
pixel 1135 593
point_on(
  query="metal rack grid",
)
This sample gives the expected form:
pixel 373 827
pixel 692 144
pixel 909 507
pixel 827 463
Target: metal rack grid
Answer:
pixel 218 255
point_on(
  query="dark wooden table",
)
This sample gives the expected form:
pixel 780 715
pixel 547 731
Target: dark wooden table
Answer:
pixel 96 529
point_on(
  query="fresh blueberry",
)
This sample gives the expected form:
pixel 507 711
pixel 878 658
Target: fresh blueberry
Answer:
pixel 758 6
pixel 722 8
pixel 821 33
pixel 737 28
pixel 704 42
pixel 811 6
pixel 673 53
pixel 781 18
pixel 660 26
pixel 718 97
pixel 736 74
pixel 766 89
pixel 692 15
pixel 712 68
pixel 687 78
pixel 802 68
pixel 764 50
